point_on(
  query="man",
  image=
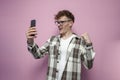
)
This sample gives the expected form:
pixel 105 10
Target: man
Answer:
pixel 66 51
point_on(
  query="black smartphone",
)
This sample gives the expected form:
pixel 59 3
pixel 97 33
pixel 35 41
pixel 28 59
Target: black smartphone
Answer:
pixel 33 23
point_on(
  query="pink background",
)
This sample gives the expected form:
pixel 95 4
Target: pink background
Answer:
pixel 100 18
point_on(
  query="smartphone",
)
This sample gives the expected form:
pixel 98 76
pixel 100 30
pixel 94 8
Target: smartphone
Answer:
pixel 33 23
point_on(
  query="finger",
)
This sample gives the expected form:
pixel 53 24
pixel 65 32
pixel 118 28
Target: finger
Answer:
pixel 84 34
pixel 31 29
pixel 31 37
pixel 31 33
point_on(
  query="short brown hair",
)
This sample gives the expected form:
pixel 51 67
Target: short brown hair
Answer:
pixel 64 13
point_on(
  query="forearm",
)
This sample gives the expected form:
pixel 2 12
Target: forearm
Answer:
pixel 33 48
pixel 38 52
pixel 89 57
pixel 90 54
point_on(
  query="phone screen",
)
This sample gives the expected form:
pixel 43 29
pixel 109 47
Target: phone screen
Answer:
pixel 33 23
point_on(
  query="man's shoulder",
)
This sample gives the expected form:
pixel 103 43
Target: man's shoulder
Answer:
pixel 54 37
pixel 76 36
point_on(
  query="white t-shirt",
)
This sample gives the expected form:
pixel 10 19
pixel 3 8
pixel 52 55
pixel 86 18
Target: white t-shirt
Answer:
pixel 63 49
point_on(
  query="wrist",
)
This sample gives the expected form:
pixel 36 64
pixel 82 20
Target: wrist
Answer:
pixel 88 44
pixel 30 41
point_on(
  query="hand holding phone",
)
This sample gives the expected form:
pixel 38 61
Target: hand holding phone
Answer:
pixel 33 24
pixel 31 33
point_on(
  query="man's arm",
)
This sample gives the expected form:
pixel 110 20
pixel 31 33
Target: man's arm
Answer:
pixel 87 52
pixel 32 47
pixel 38 52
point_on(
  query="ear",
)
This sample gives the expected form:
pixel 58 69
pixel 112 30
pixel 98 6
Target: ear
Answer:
pixel 71 23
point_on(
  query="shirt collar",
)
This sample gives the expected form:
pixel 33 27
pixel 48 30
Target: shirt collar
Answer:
pixel 75 36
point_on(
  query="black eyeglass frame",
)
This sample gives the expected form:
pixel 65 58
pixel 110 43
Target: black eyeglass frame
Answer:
pixel 62 22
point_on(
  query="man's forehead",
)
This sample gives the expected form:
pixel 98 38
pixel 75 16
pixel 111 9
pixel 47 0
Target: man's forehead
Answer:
pixel 63 18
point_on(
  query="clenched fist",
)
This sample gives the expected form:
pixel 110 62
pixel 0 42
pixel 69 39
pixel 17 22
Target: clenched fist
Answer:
pixel 86 38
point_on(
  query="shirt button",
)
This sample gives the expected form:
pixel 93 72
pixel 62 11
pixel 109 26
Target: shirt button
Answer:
pixel 57 61
pixel 57 71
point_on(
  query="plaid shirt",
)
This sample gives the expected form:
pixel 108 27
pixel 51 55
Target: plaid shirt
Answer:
pixel 77 53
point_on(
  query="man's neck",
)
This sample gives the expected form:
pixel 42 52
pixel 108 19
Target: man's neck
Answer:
pixel 66 35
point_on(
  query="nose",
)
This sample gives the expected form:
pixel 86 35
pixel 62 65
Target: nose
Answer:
pixel 59 25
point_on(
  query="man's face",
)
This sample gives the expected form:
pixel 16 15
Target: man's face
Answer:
pixel 64 24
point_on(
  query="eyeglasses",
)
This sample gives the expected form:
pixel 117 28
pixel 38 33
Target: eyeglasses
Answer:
pixel 61 22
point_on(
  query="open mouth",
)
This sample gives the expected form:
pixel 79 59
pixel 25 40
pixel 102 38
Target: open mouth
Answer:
pixel 60 28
